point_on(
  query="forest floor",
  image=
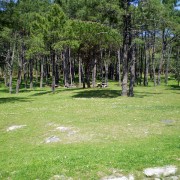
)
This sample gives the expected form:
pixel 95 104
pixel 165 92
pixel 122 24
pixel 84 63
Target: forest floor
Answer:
pixel 88 133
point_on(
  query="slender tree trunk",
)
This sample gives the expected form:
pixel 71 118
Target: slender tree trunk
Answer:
pixel 162 57
pixel 83 77
pixel 126 45
pixel 146 68
pixel 125 71
pixel 101 54
pixel 53 70
pixel 153 59
pixel 141 66
pixel 178 66
pixel 20 59
pixel 94 74
pixel 87 73
pixel 106 72
pixel 167 65
pixel 132 73
pixel 36 70
pixel 25 74
pixel 47 71
pixel 70 68
pixel 42 72
pixel 31 73
pixel 5 76
pixel 18 79
pixel 65 67
pixel 11 69
pixel 80 70
pixel 56 70
pixel 119 66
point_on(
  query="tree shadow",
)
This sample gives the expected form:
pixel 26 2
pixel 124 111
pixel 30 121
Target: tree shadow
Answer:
pixel 145 94
pixel 4 90
pixel 13 100
pixel 41 93
pixel 174 87
pixel 100 93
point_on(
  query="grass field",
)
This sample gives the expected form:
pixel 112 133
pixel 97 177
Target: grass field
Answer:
pixel 104 132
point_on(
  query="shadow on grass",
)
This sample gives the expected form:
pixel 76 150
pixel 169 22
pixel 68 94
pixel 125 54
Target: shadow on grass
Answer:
pixel 57 90
pixel 174 87
pixel 13 100
pixel 42 93
pixel 98 94
pixel 145 94
pixel 4 90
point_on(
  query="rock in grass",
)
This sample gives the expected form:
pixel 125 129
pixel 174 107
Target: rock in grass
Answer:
pixel 14 127
pixel 60 177
pixel 130 177
pixel 52 139
pixel 168 121
pixel 63 129
pixel 160 171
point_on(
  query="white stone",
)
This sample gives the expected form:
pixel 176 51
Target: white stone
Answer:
pixel 63 129
pixel 130 177
pixel 12 128
pixel 52 139
pixel 169 171
pixel 160 171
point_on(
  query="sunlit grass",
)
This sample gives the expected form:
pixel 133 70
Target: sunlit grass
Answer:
pixel 107 131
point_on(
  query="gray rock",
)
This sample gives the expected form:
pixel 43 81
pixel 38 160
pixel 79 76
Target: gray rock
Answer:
pixel 60 177
pixel 168 121
pixel 14 127
pixel 172 178
pixel 169 171
pixel 130 177
pixel 160 171
pixel 52 139
pixel 63 129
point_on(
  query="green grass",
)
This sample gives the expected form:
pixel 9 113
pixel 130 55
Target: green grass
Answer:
pixel 111 132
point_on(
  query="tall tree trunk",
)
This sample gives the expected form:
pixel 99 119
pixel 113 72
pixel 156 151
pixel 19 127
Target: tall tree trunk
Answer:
pixel 178 66
pixel 25 75
pixel 132 73
pixel 162 57
pixel 146 65
pixel 20 59
pixel 94 74
pixel 53 70
pixel 167 65
pixel 36 70
pixel 119 66
pixel 126 45
pixel 80 70
pixel 47 71
pixel 5 77
pixel 56 70
pixel 70 67
pixel 141 66
pixel 106 72
pixel 31 73
pixel 65 66
pixel 11 69
pixel 42 72
pixel 153 58
pixel 101 55
pixel 83 77
pixel 18 79
pixel 87 73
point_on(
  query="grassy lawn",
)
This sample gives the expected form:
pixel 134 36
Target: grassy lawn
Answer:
pixel 106 132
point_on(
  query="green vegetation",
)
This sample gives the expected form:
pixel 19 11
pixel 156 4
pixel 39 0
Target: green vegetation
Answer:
pixel 110 131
